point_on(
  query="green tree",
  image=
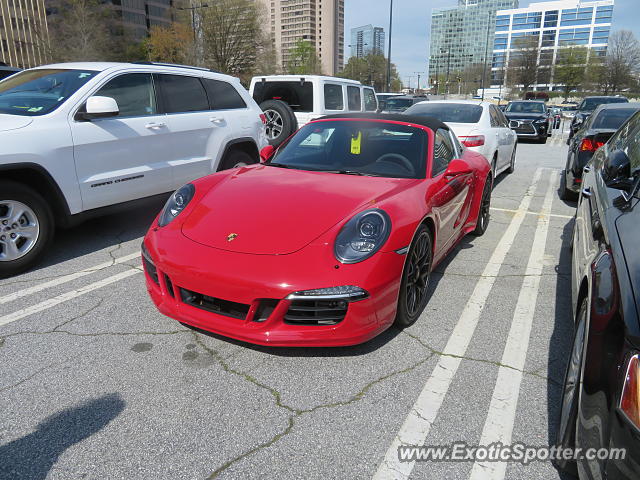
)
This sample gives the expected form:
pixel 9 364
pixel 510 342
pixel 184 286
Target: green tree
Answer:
pixel 570 69
pixel 372 70
pixel 173 44
pixel 621 62
pixel 303 59
pixel 523 65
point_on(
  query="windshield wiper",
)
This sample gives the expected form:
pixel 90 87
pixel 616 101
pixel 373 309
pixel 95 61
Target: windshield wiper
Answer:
pixel 279 165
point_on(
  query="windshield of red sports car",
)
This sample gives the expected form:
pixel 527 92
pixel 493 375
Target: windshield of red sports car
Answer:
pixel 353 147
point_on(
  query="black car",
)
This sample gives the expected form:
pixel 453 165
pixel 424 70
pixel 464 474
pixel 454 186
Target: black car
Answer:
pixel 587 107
pixel 601 396
pixel 529 119
pixel 7 71
pixel 400 104
pixel 595 132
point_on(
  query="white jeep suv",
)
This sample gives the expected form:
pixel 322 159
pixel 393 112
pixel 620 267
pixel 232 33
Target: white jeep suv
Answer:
pixel 83 139
pixel 292 101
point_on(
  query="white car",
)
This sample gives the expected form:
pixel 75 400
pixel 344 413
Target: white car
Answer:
pixel 82 139
pixel 292 101
pixel 480 126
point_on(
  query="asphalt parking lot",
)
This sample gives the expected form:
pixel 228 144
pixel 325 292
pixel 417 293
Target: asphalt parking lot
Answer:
pixel 96 384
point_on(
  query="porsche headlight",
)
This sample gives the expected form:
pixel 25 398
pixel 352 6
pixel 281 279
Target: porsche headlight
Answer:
pixel 176 203
pixel 362 236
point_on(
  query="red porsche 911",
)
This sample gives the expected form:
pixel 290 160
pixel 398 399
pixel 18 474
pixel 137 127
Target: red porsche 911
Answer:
pixel 328 241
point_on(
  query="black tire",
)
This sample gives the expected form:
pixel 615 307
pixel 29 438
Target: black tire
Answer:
pixel 236 158
pixel 43 217
pixel 543 140
pixel 565 193
pixel 566 435
pixel 484 215
pixel 414 288
pixel 281 121
pixel 512 166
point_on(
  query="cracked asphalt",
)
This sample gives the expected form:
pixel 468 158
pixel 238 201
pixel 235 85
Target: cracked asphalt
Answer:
pixel 96 384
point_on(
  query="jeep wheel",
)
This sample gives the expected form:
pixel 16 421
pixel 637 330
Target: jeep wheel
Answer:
pixel 26 227
pixel 281 121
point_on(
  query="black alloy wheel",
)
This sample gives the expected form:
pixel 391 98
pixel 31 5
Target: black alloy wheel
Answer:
pixel 566 436
pixel 484 215
pixel 415 279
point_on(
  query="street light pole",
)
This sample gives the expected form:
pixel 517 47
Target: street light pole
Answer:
pixel 389 55
pixel 196 27
pixel 486 54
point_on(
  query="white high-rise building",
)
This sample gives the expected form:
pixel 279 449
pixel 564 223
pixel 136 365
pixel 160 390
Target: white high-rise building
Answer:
pixel 553 25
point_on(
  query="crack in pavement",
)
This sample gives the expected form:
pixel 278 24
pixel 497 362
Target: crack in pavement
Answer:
pixel 294 413
pixel 480 360
pixel 82 315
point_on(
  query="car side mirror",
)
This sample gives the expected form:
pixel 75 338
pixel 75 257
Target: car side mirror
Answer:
pixel 266 153
pixel 456 168
pixel 99 107
pixel 617 170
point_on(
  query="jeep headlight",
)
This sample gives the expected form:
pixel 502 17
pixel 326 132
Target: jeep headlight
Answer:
pixel 176 204
pixel 362 236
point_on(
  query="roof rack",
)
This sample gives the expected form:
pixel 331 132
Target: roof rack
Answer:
pixel 175 65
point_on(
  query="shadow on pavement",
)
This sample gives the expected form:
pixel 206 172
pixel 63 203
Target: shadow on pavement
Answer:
pixel 32 456
pixel 561 339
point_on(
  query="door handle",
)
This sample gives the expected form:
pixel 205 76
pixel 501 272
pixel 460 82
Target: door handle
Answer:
pixel 216 120
pixel 154 126
pixel 586 192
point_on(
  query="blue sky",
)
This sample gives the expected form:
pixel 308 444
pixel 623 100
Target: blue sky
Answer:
pixel 411 25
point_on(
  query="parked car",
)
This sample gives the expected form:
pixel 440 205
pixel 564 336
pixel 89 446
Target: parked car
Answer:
pixel 479 126
pixel 383 97
pixel 529 119
pixel 83 139
pixel 402 103
pixel 600 406
pixel 569 111
pixel 291 101
pixel 7 71
pixel 587 107
pixel 555 114
pixel 595 132
pixel 329 242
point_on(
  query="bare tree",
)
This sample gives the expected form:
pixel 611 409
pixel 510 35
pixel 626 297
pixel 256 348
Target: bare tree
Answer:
pixel 523 65
pixel 233 35
pixel 621 62
pixel 79 31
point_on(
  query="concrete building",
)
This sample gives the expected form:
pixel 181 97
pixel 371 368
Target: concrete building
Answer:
pixel 460 35
pixel 552 26
pixel 23 32
pixel 320 22
pixel 138 16
pixel 367 40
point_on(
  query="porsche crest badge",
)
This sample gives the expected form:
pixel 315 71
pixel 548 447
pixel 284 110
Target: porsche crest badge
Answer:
pixel 231 237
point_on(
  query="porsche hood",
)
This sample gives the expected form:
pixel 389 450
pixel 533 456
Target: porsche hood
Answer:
pixel 267 210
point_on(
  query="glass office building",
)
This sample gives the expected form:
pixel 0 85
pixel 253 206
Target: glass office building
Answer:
pixel 460 35
pixel 367 40
pixel 551 26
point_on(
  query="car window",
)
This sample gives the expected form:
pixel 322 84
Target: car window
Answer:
pixel 355 101
pixel 40 91
pixel 370 102
pixel 333 97
pixel 447 112
pixel 222 95
pixel 298 95
pixel 612 119
pixel 526 107
pixel 628 140
pixel 590 104
pixel 183 94
pixel 353 147
pixel 134 94
pixel 495 120
pixel 443 152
